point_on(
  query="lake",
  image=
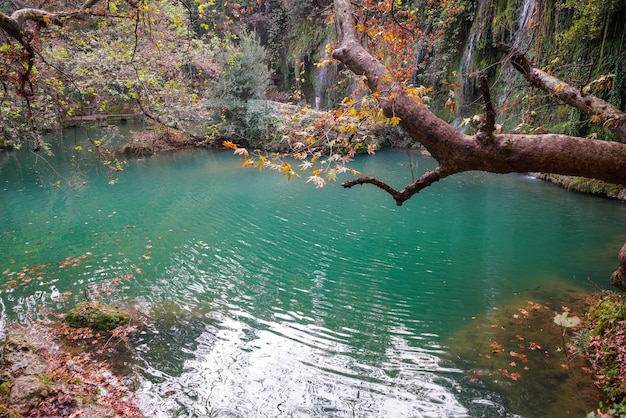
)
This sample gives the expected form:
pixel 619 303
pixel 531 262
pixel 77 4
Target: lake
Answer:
pixel 268 297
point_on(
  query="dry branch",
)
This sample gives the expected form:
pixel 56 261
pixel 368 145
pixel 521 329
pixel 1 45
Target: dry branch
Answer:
pixel 607 114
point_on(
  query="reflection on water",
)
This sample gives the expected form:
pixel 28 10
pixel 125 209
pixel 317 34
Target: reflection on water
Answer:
pixel 289 369
pixel 266 297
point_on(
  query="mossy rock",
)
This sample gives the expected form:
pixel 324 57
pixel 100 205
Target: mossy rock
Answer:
pixel 96 316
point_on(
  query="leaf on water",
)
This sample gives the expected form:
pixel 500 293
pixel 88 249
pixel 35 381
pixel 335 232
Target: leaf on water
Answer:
pixel 566 321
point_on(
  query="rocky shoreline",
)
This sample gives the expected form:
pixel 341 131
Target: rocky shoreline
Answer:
pixel 46 373
pixel 584 185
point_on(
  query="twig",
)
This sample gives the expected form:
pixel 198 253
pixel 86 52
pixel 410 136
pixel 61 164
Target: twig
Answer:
pixel 400 196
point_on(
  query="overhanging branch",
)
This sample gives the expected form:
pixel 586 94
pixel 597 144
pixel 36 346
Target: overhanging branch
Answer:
pixel 457 152
pixel 400 196
pixel 606 114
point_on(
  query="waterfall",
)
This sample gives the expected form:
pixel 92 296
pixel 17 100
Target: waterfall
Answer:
pixel 520 36
pixel 523 34
pixel 521 39
pixel 321 78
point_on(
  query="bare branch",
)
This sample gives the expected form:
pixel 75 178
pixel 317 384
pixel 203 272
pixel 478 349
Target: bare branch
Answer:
pixel 37 15
pixel 400 196
pixel 607 114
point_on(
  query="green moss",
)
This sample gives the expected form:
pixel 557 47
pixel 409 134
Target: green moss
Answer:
pixel 46 379
pixel 96 316
pixel 608 314
pixel 5 388
pixel 606 321
pixel 595 187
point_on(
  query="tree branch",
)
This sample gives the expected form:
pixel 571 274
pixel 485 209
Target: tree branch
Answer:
pixel 503 153
pixel 400 196
pixel 607 114
pixel 14 25
pixel 13 29
pixel 21 16
pixel 506 153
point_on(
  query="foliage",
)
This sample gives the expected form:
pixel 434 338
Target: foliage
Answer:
pixel 322 144
pixel 606 347
pixel 244 73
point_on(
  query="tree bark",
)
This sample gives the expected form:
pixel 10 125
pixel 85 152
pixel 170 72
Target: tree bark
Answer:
pixel 14 25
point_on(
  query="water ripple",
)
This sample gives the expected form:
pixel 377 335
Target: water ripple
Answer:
pixel 236 370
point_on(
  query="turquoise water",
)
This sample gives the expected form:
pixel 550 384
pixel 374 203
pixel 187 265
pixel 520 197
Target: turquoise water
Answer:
pixel 272 298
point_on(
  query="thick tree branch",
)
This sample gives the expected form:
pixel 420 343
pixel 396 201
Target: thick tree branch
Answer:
pixel 13 29
pixel 506 153
pixel 14 25
pixel 400 196
pixel 607 114
pixel 503 153
pixel 21 16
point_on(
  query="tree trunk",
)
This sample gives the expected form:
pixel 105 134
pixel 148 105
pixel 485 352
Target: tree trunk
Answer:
pixel 618 278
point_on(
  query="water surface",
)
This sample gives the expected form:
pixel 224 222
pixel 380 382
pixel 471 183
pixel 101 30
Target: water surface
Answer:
pixel 272 298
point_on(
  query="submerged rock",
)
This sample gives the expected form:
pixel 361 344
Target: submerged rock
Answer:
pixel 96 316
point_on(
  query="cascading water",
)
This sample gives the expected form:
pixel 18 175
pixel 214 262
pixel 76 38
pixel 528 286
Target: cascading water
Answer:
pixel 520 37
pixel 524 32
pixel 467 94
pixel 321 78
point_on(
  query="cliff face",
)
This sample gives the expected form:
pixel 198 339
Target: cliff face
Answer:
pixel 580 41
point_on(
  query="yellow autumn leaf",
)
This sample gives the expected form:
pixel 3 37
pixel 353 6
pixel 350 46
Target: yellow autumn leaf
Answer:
pixel 286 170
pixel 394 121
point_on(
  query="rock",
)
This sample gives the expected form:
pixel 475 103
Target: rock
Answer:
pixel 33 381
pixel 20 357
pixel 96 316
pixel 26 392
